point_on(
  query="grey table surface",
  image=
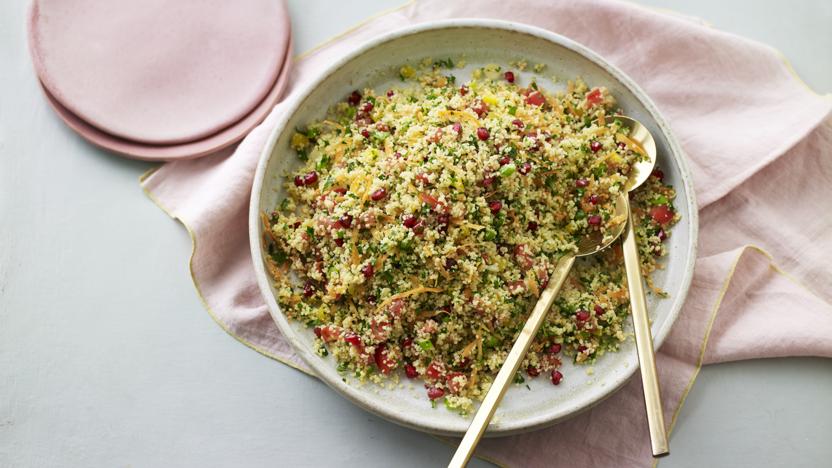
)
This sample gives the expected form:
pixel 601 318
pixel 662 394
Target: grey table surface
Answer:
pixel 107 357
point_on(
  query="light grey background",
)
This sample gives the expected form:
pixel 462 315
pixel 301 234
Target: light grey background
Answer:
pixel 107 357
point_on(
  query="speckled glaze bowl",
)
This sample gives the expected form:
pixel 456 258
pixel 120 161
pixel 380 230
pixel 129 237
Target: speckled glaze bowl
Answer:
pixel 375 65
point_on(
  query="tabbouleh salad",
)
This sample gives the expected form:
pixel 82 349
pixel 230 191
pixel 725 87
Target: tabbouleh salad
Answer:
pixel 425 221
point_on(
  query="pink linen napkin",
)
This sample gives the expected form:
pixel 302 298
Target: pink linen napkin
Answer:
pixel 761 156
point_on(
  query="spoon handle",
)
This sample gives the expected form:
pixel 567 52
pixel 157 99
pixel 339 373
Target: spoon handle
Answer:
pixel 644 343
pixel 511 364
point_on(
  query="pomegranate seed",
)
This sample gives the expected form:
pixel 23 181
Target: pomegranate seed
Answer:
pixel 410 371
pixel 581 348
pixel 443 218
pixel 556 377
pixel 310 178
pixel 662 235
pixel 661 214
pixel 435 371
pixel 581 183
pixel 594 220
pixel 298 181
pixel 621 146
pixel 463 90
pixel 368 107
pixel 397 155
pixel 308 289
pixel 390 93
pixel 518 123
pixel 345 221
pixel 365 133
pixel 382 127
pixel 482 133
pixel 354 98
pixel 532 371
pixel 595 146
pixel 407 342
pixel 593 199
pixel 525 168
pixel 409 221
pixel 317 331
pixel 368 271
pixel 505 160
pixel 509 76
pixel 599 311
pixel 450 263
pixel 378 194
pixel 487 182
pixel 555 348
pixel 532 226
pixel 657 173
pixel 340 190
pixel 457 128
pixel 339 242
pixel 495 206
pixel 434 393
pixel 582 315
pixel 352 339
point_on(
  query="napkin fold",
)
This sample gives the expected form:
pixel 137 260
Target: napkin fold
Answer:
pixel 760 148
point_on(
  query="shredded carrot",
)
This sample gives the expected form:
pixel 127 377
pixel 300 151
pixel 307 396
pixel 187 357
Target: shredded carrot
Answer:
pixel 413 292
pixel 267 229
pixel 466 351
pixel 622 138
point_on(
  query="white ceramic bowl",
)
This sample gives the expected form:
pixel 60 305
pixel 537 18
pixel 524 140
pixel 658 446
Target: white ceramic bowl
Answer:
pixel 375 65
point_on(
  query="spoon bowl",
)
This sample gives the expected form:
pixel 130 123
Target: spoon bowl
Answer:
pixel 640 137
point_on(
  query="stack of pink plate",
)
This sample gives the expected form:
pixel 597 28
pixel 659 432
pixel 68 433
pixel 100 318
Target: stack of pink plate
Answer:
pixel 161 79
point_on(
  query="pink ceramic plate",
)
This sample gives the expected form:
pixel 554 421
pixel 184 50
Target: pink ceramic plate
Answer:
pixel 195 149
pixel 159 72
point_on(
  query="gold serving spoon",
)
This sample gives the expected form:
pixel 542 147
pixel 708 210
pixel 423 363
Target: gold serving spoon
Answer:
pixel 642 141
pixel 586 246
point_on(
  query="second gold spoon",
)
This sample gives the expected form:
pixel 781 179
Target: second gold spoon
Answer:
pixel 640 140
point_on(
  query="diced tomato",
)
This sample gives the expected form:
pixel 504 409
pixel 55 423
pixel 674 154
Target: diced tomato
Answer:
pixel 433 202
pixel 354 340
pixel 542 274
pixel 384 361
pixel 396 307
pixel 523 259
pixel 594 97
pixel 329 334
pixel 380 329
pixel 435 371
pixel 480 109
pixel 429 199
pixel 455 384
pixel 535 98
pixel 661 214
pixel 516 287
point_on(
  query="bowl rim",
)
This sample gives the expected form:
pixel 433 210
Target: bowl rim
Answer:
pixel 362 398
